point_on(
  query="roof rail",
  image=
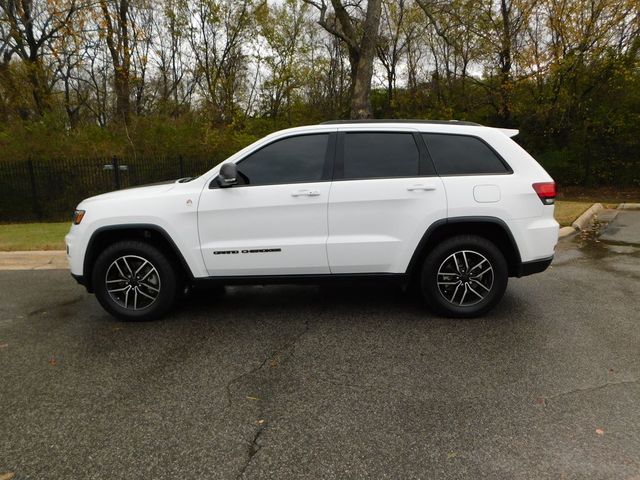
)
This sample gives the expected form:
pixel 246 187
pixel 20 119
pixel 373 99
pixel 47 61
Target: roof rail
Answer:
pixel 381 120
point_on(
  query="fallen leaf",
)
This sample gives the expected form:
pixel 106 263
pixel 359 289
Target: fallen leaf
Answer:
pixel 7 475
pixel 261 421
pixel 252 398
pixel 451 455
pixel 541 401
pixel 599 431
pixel 4 345
pixel 52 361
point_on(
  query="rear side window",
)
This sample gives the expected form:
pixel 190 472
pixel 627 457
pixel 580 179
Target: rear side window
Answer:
pixel 290 160
pixel 380 155
pixel 462 155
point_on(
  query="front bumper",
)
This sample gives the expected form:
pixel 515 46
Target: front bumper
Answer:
pixel 78 278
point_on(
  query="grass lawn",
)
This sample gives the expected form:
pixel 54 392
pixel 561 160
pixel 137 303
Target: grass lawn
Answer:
pixel 33 236
pixel 567 212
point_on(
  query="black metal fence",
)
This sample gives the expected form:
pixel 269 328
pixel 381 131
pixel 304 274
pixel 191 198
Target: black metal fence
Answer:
pixel 49 190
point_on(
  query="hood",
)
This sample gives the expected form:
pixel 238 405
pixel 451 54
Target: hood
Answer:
pixel 133 192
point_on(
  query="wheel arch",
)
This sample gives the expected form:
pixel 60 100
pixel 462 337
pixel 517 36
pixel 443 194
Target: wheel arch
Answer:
pixel 154 234
pixel 492 228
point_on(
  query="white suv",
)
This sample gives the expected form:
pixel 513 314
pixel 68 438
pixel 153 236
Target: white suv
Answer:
pixel 453 207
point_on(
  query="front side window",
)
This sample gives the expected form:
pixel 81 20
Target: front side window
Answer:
pixel 462 155
pixel 380 155
pixel 290 160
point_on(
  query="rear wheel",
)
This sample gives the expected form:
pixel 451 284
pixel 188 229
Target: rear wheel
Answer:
pixel 134 281
pixel 464 276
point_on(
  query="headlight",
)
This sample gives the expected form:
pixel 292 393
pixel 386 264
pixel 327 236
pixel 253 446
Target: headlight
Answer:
pixel 78 215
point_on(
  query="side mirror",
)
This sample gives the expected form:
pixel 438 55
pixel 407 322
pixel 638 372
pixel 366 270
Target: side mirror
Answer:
pixel 228 175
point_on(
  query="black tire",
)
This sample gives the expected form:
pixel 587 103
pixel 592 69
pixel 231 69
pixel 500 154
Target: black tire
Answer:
pixel 459 294
pixel 165 278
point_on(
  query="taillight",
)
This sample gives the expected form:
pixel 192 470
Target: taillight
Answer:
pixel 546 191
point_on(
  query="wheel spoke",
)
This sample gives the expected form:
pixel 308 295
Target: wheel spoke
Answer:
pixel 482 273
pixel 145 295
pixel 481 284
pixel 472 290
pixel 150 287
pixel 449 283
pixel 477 265
pixel 464 294
pixel 135 298
pixel 124 259
pixel 126 298
pixel 152 269
pixel 455 292
pixel 140 267
pixel 115 290
pixel 117 280
pixel 466 263
pixel 455 259
pixel 122 275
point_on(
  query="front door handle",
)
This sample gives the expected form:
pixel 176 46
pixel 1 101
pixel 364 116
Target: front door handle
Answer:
pixel 426 187
pixel 306 193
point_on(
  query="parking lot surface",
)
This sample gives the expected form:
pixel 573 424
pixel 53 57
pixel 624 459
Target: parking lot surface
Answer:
pixel 328 382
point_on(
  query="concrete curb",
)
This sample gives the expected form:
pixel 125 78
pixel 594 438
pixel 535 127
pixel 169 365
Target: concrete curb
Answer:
pixel 629 206
pixel 584 220
pixel 34 260
pixel 566 232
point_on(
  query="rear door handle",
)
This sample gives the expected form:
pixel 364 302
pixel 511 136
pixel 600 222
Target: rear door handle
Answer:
pixel 426 187
pixel 306 193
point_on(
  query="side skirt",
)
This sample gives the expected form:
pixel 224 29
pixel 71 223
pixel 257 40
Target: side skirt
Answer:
pixel 209 282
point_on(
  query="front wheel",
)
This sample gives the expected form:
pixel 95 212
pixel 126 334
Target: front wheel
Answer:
pixel 134 280
pixel 464 276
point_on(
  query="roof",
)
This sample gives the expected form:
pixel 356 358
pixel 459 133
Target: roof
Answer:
pixel 435 122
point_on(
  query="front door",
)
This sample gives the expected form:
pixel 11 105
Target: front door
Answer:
pixel 275 221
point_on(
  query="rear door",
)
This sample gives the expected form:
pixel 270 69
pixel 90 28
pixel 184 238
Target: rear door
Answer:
pixel 477 180
pixel 275 221
pixel 384 196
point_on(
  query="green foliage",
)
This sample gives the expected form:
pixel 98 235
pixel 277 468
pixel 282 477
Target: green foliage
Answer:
pixel 209 77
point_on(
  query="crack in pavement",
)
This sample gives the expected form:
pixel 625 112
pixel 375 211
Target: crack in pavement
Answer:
pixel 254 447
pixel 287 347
pixel 590 389
pixel 55 306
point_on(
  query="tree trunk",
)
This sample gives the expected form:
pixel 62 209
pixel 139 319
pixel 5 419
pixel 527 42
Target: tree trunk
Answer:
pixel 504 90
pixel 361 79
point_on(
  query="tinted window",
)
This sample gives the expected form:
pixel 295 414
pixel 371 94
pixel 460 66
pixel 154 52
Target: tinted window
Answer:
pixel 290 160
pixel 459 155
pixel 375 155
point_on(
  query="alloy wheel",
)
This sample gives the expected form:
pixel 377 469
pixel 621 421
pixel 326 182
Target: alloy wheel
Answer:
pixel 465 278
pixel 133 282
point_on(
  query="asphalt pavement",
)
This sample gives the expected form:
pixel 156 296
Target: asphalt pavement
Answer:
pixel 328 382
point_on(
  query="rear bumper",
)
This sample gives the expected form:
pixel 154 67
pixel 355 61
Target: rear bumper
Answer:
pixel 536 266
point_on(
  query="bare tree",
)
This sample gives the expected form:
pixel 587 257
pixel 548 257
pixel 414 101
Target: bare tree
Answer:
pixel 29 27
pixel 220 27
pixel 361 38
pixel 115 18
pixel 392 43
